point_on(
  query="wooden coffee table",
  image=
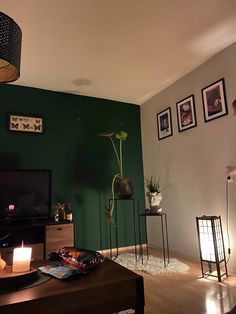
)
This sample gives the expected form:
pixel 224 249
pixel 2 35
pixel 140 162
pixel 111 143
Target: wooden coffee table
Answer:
pixel 108 288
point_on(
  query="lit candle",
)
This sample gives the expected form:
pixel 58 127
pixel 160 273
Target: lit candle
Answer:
pixel 21 259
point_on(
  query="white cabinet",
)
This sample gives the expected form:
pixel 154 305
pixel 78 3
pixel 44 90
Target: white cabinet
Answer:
pixel 58 236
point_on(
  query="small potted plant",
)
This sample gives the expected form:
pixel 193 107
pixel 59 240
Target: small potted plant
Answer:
pixel 121 186
pixel 59 211
pixel 153 194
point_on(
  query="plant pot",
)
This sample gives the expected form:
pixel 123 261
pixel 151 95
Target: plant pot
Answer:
pixel 154 200
pixel 124 188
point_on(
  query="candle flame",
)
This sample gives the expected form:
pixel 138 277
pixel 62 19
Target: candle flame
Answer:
pixel 22 243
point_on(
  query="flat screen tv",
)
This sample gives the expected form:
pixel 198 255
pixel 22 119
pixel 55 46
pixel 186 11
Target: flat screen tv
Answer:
pixel 25 194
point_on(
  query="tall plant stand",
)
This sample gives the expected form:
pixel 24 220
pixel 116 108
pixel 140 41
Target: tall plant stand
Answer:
pixel 164 235
pixel 116 202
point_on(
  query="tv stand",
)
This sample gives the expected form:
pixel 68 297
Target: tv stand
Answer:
pixel 43 237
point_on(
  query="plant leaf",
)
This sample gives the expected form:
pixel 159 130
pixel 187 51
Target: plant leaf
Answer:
pixel 110 219
pixel 152 184
pixel 122 135
pixel 106 134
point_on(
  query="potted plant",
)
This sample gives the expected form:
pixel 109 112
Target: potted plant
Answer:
pixel 59 211
pixel 153 194
pixel 121 186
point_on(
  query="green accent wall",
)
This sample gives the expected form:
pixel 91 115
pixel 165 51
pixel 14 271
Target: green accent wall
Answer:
pixel 82 163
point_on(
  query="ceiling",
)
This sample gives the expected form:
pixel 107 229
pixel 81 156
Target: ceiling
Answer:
pixel 125 50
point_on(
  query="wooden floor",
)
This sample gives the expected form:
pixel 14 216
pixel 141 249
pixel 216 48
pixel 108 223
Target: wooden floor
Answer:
pixel 187 292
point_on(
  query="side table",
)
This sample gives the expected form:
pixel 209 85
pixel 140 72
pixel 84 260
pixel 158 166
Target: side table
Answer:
pixel 164 235
pixel 117 200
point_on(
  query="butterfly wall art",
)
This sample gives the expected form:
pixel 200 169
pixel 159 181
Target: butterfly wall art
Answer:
pixel 25 124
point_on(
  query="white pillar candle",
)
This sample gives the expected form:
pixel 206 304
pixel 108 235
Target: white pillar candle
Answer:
pixel 21 259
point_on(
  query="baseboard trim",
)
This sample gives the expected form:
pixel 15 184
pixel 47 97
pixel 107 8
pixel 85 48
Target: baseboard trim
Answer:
pixel 121 249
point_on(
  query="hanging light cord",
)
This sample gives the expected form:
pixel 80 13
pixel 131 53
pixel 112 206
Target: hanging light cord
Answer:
pixel 227 216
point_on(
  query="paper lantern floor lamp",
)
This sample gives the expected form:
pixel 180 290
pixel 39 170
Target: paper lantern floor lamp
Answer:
pixel 211 247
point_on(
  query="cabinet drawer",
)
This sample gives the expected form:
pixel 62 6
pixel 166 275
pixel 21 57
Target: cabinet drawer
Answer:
pixel 58 236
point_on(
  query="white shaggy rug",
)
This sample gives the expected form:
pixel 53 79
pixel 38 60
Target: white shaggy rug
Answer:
pixel 153 265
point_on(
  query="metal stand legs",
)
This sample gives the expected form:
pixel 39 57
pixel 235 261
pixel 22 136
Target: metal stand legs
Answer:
pixel 164 235
pixel 116 231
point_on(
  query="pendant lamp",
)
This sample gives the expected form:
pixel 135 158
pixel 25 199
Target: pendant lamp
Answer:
pixel 10 49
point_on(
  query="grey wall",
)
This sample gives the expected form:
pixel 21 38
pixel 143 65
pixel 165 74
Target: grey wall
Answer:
pixel 192 163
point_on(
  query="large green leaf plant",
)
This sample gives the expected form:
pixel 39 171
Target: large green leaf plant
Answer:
pixel 120 137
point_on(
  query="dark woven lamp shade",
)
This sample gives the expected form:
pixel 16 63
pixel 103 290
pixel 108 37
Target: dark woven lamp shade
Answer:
pixel 10 49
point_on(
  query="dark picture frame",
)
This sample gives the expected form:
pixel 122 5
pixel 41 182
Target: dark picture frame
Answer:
pixel 186 114
pixel 22 123
pixel 214 100
pixel 164 124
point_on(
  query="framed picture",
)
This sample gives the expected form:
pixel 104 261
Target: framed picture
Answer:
pixel 186 114
pixel 25 124
pixel 164 123
pixel 214 101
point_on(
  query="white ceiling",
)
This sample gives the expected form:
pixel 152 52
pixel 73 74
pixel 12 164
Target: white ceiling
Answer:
pixel 125 50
